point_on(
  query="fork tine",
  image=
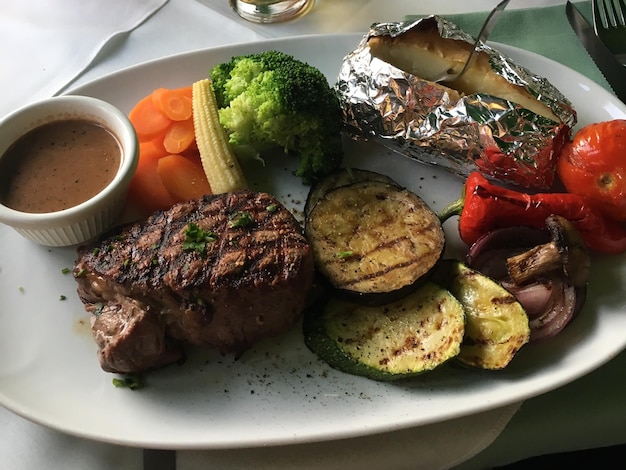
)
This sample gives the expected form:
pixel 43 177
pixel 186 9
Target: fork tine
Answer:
pixel 609 24
pixel 620 9
pixel 598 12
pixel 611 13
pixel 609 8
pixel 615 12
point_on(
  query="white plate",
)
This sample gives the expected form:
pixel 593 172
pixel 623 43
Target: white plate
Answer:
pixel 278 392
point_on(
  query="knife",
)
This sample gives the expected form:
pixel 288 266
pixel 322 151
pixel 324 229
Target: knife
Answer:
pixel 613 71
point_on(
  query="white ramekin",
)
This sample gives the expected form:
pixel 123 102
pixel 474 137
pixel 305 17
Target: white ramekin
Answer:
pixel 89 219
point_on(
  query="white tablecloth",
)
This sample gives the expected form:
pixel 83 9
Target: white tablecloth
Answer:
pixel 184 25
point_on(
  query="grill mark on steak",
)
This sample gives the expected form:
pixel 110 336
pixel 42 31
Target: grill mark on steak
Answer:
pixel 251 282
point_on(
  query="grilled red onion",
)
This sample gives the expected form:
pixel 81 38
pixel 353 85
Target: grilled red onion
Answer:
pixel 550 301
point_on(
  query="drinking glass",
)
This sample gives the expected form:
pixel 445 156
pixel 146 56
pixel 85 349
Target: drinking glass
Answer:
pixel 271 11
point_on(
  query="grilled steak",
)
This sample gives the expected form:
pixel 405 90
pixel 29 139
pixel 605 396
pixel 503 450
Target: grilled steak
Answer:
pixel 223 271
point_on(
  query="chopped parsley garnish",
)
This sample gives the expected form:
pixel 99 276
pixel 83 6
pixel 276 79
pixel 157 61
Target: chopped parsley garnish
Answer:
pixel 240 219
pixel 62 297
pixel 128 381
pixel 196 239
pixel 81 272
pixel 271 208
pixel 345 254
pixel 65 270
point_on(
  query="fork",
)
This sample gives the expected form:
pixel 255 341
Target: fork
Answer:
pixel 609 22
pixel 451 74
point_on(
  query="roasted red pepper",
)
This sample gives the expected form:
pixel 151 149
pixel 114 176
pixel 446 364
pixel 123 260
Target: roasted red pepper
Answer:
pixel 486 206
pixel 594 165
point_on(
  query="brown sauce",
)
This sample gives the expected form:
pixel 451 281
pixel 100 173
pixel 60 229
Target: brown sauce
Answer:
pixel 57 166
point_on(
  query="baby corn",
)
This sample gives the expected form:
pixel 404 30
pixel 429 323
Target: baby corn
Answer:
pixel 218 160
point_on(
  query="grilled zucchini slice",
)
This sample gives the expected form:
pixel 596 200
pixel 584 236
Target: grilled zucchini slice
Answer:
pixel 373 240
pixel 394 341
pixel 496 323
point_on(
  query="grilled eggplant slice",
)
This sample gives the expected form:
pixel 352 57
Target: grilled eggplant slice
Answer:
pixel 338 178
pixel 374 241
pixel 496 323
pixel 398 340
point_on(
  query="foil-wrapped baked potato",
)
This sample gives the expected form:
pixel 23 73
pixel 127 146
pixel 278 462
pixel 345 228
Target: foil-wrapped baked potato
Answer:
pixel 499 117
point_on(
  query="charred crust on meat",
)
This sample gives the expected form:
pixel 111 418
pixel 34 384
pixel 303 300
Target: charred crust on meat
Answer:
pixel 252 281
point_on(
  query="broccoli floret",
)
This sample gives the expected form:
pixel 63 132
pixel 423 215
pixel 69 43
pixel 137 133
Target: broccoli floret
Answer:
pixel 272 99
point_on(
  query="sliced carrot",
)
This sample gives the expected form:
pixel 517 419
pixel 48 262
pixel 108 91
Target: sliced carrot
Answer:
pixel 193 148
pixel 179 136
pixel 152 149
pixel 164 125
pixel 146 190
pixel 147 120
pixel 173 103
pixel 183 178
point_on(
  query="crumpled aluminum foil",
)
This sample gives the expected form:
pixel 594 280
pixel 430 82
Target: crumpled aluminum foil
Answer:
pixel 479 132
